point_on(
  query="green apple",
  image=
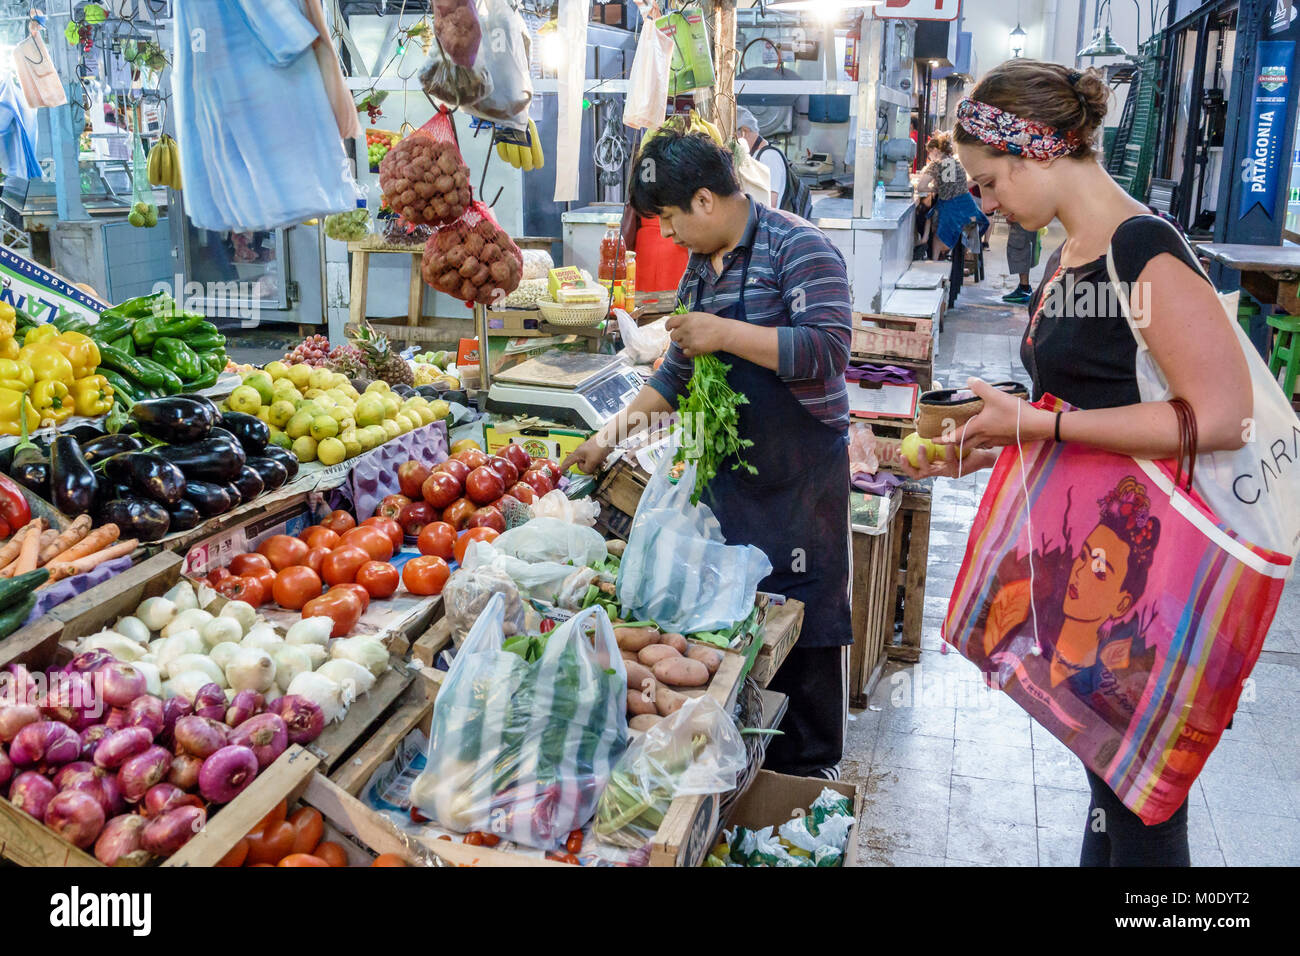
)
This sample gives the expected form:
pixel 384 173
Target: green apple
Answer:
pixel 265 387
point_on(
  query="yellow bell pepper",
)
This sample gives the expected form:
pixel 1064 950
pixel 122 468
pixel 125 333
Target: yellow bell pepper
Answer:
pixel 80 350
pixel 53 401
pixel 13 406
pixel 93 395
pixel 8 320
pixel 48 364
pixel 8 347
pixel 18 377
pixel 40 334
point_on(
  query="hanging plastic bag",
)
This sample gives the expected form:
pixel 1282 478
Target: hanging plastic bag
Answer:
pixel 677 570
pixel 697 750
pixel 444 79
pixel 647 87
pixel 144 212
pixel 755 178
pixel 456 26
pixel 642 343
pixel 504 55
pixel 553 539
pixel 468 592
pixel 534 579
pixel 520 750
pixel 692 63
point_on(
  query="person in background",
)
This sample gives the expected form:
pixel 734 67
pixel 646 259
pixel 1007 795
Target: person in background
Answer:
pixel 764 152
pixel 1022 255
pixel 954 206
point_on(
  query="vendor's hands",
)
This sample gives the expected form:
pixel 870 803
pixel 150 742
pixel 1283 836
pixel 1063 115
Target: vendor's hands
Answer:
pixel 589 456
pixel 698 333
pixel 1004 420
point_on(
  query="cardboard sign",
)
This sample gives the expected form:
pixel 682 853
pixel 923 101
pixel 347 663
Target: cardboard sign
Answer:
pixel 917 10
pixel 29 286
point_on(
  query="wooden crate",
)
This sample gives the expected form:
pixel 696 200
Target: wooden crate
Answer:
pixel 619 492
pixel 911 555
pixel 873 609
pixel 432 642
pixel 781 627
pixel 889 434
pixel 887 337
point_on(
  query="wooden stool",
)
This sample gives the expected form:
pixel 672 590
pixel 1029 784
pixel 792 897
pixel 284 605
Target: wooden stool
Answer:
pixel 361 253
pixel 1285 352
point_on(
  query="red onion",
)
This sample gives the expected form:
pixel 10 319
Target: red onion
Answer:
pixel 99 784
pixel 210 702
pixel 70 770
pixel 199 736
pixel 111 792
pixel 116 719
pixel 91 738
pixel 184 771
pixel 142 771
pixel 71 699
pixel 45 742
pixel 90 661
pixel 164 835
pixel 226 773
pixel 119 842
pixel 6 769
pixel 146 710
pixel 303 718
pixel 120 747
pixel 165 796
pixel 246 704
pixel 173 710
pixel 266 735
pixel 122 683
pixel 15 718
pixel 32 792
pixel 77 817
pixel 17 686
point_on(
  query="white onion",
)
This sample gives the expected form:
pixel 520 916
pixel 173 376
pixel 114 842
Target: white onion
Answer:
pixel 311 630
pixel 316 653
pixel 223 653
pixel 221 630
pixel 156 612
pixel 366 651
pixel 263 637
pixel 321 691
pixel 123 648
pixel 290 661
pixel 152 677
pixel 241 611
pixel 133 628
pixel 193 619
pixel 356 680
pixel 251 669
pixel 182 642
pixel 199 662
pixel 182 595
pixel 186 684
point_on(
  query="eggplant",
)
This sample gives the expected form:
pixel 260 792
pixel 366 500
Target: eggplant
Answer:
pixel 217 458
pixel 72 482
pixel 177 419
pixel 284 457
pixel 148 474
pixel 208 498
pixel 251 431
pixel 457 395
pixel 429 391
pixel 85 433
pixel 184 516
pixel 30 467
pixel 138 518
pixel 236 496
pixel 110 491
pixel 404 390
pixel 106 446
pixel 214 413
pixel 270 470
pixel 249 483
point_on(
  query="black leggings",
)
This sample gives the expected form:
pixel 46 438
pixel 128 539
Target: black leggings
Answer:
pixel 1117 836
pixel 957 272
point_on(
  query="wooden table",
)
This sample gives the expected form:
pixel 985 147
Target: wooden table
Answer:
pixel 1270 273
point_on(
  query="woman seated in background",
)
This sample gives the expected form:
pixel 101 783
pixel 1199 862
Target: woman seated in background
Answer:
pixel 954 206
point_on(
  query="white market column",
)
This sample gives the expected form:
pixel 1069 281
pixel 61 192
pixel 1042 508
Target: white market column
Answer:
pixel 864 159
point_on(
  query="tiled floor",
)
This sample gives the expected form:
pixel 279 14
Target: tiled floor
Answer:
pixel 956 774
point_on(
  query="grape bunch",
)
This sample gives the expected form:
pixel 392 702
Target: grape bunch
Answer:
pixel 313 350
pixel 375 112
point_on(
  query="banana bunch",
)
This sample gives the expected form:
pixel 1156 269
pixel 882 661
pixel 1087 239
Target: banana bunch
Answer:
pixel 524 157
pixel 165 163
pixel 700 125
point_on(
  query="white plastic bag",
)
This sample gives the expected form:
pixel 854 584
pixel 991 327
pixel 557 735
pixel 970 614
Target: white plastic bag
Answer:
pixel 556 504
pixel 469 590
pixel 677 570
pixel 553 539
pixel 643 344
pixel 535 579
pixel 504 54
pixel 537 263
pixel 755 178
pixel 647 88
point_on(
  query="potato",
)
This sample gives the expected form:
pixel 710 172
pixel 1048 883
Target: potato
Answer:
pixel 674 640
pixel 643 722
pixel 710 657
pixel 654 653
pixel 616 547
pixel 639 702
pixel 681 672
pixel 629 655
pixel 637 675
pixel 668 701
pixel 635 638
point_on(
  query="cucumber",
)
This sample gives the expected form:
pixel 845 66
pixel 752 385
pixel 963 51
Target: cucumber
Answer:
pixel 13 589
pixel 12 618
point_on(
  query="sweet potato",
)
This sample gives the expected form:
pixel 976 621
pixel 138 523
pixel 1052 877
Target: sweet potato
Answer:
pixel 639 702
pixel 643 722
pixel 635 638
pixel 637 674
pixel 674 640
pixel 668 701
pixel 710 657
pixel 681 672
pixel 652 655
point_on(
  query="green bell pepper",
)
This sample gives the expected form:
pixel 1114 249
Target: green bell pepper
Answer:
pixel 206 380
pixel 125 343
pixel 168 380
pixel 131 366
pixel 154 327
pixel 67 322
pixel 214 360
pixel 155 303
pixel 203 341
pixel 177 356
pixel 111 329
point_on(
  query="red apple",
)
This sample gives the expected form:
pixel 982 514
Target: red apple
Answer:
pixel 540 479
pixel 487 517
pixel 550 467
pixel 472 457
pixel 454 466
pixel 518 457
pixel 392 506
pixel 523 492
pixel 411 477
pixel 483 486
pixel 441 489
pixel 458 512
pixel 415 516
pixel 505 468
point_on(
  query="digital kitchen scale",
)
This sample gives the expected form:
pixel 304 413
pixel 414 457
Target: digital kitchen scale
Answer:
pixel 571 388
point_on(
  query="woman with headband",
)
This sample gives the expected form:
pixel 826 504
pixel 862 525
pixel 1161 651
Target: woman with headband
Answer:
pixel 1026 137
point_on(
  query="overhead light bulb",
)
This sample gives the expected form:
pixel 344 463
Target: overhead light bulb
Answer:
pixel 552 51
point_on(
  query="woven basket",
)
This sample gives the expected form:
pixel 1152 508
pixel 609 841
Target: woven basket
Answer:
pixel 573 315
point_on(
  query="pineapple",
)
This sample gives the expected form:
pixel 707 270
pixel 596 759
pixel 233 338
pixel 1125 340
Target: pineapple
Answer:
pixel 381 361
pixel 348 360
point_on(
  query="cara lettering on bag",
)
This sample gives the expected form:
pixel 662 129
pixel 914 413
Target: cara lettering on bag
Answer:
pixel 1281 452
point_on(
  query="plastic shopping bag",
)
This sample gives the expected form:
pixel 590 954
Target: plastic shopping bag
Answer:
pixel 469 590
pixel 677 570
pixel 552 539
pixel 695 750
pixel 534 579
pixel 643 344
pixel 755 178
pixel 647 87
pixel 556 504
pixel 1116 610
pixel 523 750
pixel 504 55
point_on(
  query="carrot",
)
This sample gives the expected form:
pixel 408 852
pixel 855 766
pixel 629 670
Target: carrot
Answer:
pixel 31 550
pixel 48 537
pixel 9 551
pixel 31 530
pixel 66 569
pixel 62 542
pixel 100 538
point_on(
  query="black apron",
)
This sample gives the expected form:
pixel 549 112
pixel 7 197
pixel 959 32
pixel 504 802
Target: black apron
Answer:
pixel 796 509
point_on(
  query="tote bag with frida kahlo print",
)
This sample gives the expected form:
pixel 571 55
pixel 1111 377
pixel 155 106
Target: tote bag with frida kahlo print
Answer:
pixel 1115 609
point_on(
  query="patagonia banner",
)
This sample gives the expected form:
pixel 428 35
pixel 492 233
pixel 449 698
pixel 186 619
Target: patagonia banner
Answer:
pixel 1261 168
pixel 42 294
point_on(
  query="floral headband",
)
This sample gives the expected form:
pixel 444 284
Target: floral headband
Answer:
pixel 1011 134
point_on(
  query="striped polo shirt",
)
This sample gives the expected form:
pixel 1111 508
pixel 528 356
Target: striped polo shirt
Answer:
pixel 797 284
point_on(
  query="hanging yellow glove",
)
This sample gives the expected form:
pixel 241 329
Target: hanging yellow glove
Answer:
pixel 14 405
pixel 92 395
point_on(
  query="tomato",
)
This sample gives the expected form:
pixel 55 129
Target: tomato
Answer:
pixel 472 457
pixel 562 857
pixel 411 476
pixel 392 506
pixel 244 588
pixel 342 564
pixel 505 468
pixel 371 540
pixel 491 839
pixel 483 486
pixel 218 575
pixel 379 578
pixel 331 853
pixel 457 469
pixel 267 577
pixel 302 859
pixel 315 557
pixel 359 590
pixel 308 828
pixel 343 607
pixel 540 481
pixel 388 526
pixel 283 551
pixel 243 563
pixel 473 534
pixel 525 493
pixel 277 815
pixel 458 512
pixel 425 575
pixel 474 838
pixel 318 537
pixel 487 517
pixel 270 844
pixel 574 843
pixel 438 538
pixel 518 457
pixel 415 516
pixel 237 855
pixel 441 489
pixel 388 859
pixel 295 586
pixel 547 625
pixel 339 522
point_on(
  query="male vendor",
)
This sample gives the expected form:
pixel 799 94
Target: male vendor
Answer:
pixel 769 294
